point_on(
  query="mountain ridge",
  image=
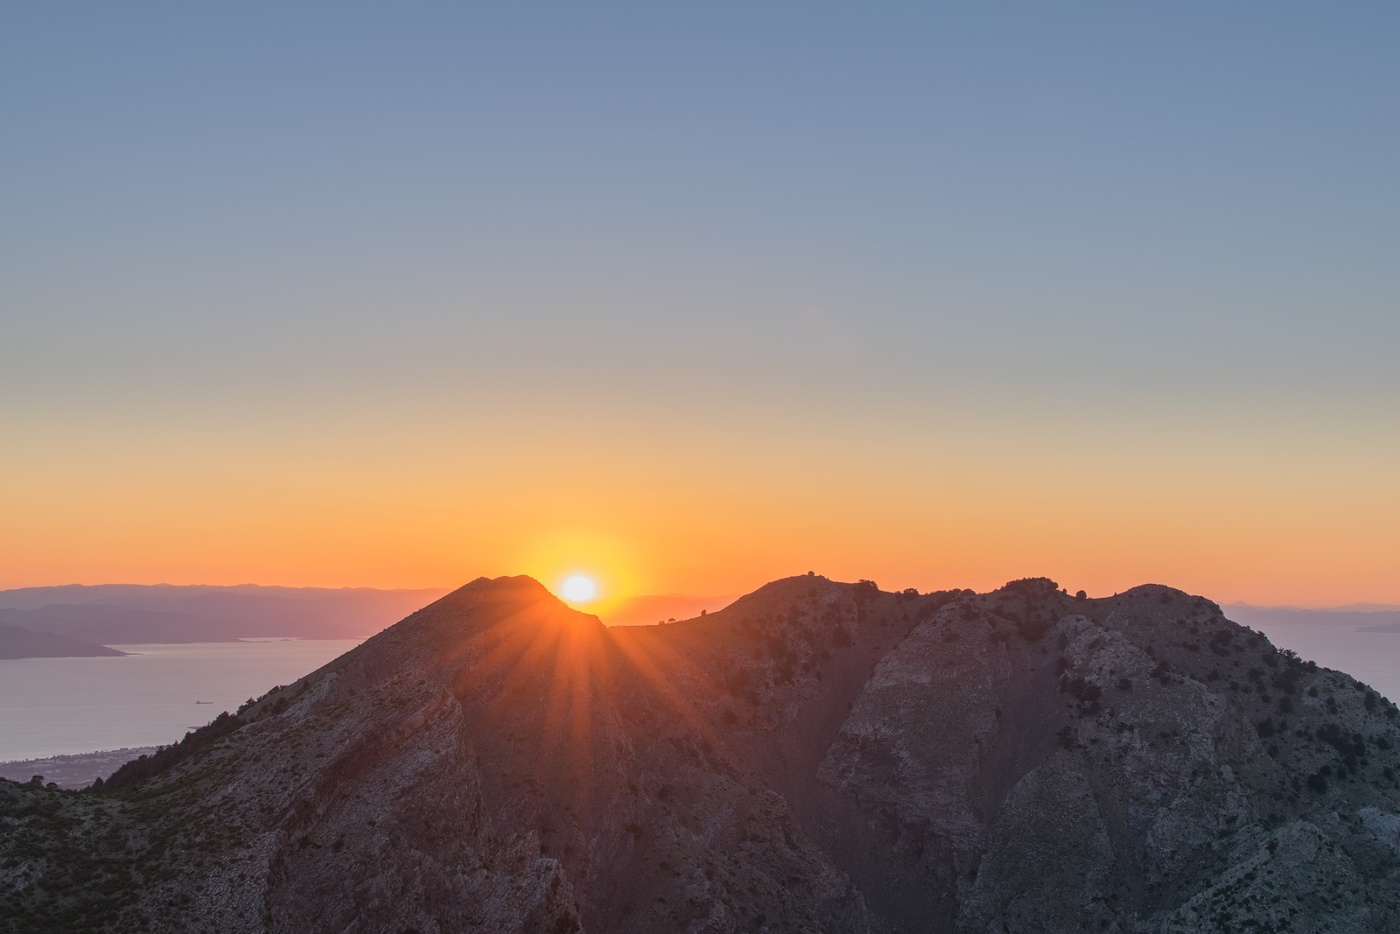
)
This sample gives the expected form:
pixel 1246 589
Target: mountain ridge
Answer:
pixel 817 756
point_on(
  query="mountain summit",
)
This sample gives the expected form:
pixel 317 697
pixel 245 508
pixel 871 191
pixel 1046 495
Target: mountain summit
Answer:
pixel 818 756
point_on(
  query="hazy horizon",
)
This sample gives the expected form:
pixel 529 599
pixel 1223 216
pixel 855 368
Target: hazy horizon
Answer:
pixel 1351 607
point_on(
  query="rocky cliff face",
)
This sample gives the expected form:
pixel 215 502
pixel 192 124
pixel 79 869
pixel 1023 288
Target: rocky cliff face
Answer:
pixel 817 757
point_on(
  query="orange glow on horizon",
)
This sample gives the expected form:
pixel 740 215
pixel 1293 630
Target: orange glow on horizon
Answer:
pixel 692 305
pixel 592 572
pixel 639 519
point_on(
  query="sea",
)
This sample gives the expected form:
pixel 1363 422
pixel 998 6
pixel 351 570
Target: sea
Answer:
pixel 152 697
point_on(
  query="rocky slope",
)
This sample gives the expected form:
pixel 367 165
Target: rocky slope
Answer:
pixel 816 757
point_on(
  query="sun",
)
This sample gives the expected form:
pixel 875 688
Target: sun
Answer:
pixel 579 588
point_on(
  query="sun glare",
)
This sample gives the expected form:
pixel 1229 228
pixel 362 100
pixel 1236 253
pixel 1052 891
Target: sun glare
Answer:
pixel 579 589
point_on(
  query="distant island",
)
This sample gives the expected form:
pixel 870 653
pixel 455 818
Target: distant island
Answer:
pixel 130 614
pixel 24 643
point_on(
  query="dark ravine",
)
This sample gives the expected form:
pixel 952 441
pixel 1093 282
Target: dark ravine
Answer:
pixel 818 756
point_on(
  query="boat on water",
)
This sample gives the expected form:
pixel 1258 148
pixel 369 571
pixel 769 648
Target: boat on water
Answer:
pixel 204 702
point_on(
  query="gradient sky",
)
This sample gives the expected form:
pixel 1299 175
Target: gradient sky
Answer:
pixel 403 294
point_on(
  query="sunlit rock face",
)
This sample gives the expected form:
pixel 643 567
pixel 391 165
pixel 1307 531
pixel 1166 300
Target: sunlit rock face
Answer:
pixel 817 757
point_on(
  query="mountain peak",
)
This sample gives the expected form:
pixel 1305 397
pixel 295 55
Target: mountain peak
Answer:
pixel 518 588
pixel 488 601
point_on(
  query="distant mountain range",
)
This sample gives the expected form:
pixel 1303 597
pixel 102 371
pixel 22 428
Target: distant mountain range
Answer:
pixel 126 614
pixel 816 757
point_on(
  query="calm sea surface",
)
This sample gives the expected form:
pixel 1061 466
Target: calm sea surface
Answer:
pixel 57 706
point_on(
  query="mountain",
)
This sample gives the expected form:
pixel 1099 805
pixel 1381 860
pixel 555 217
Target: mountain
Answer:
pixel 132 614
pixel 23 643
pixel 818 756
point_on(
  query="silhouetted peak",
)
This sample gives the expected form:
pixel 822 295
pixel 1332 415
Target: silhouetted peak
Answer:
pixel 799 585
pixel 1031 587
pixel 516 602
pixel 1149 595
pixel 521 589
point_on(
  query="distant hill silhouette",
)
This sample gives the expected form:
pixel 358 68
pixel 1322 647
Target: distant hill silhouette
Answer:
pixel 129 613
pixel 24 643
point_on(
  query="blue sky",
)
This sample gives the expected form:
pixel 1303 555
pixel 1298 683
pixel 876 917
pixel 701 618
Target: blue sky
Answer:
pixel 1217 182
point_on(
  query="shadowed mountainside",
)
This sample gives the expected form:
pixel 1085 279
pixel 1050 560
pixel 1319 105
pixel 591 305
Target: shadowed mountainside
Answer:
pixel 817 756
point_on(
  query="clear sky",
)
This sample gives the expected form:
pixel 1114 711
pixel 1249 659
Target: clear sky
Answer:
pixel 695 296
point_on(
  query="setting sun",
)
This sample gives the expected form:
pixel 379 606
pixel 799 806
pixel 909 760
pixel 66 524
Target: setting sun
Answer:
pixel 579 589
